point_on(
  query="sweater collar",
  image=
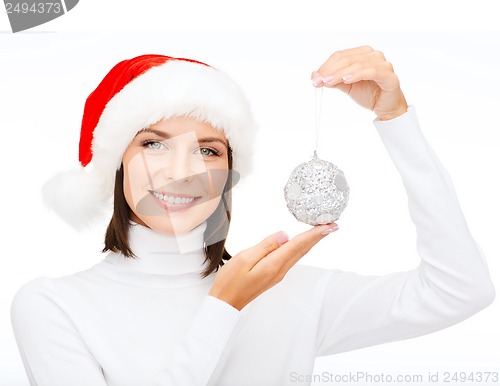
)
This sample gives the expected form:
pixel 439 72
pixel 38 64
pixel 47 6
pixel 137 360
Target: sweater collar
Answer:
pixel 162 254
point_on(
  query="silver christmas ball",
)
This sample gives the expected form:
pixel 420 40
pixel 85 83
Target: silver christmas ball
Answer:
pixel 316 192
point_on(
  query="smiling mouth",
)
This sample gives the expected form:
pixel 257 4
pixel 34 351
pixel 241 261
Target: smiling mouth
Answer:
pixel 172 202
pixel 173 199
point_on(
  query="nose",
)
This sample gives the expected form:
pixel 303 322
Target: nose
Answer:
pixel 182 166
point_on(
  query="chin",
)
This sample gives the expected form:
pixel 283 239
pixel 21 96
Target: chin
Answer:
pixel 169 226
pixel 177 223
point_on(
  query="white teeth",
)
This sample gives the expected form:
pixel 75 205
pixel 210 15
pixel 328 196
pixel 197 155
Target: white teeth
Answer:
pixel 173 200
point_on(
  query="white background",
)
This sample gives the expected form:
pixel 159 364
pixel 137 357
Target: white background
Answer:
pixel 450 72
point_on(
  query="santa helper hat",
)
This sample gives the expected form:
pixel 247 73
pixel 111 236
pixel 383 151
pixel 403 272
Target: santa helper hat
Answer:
pixel 136 93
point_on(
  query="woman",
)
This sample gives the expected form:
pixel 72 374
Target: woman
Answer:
pixel 168 306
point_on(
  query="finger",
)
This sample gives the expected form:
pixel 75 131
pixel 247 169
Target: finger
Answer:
pixel 381 73
pixel 354 50
pixel 302 243
pixel 341 59
pixel 324 72
pixel 254 254
pixel 338 55
pixel 333 69
pixel 284 258
pixel 316 79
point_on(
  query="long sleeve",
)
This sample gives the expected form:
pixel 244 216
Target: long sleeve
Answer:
pixel 48 342
pixel 450 284
pixel 54 353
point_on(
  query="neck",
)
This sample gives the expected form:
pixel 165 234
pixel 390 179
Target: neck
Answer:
pixel 165 254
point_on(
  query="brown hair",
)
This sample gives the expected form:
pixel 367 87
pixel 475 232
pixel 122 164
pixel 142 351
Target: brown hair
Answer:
pixel 117 233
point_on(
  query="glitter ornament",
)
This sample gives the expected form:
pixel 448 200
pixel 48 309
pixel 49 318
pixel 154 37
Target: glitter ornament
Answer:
pixel 317 191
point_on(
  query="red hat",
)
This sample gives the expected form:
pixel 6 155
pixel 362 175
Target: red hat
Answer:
pixel 136 93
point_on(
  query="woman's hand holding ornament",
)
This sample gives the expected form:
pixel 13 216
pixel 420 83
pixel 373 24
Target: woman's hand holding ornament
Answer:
pixel 367 77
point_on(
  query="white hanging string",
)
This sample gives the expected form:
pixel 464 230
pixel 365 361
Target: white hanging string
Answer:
pixel 318 97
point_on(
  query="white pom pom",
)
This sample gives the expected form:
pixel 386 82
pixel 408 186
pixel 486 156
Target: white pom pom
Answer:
pixel 79 197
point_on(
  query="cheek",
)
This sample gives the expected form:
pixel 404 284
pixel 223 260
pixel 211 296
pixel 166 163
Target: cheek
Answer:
pixel 135 180
pixel 216 181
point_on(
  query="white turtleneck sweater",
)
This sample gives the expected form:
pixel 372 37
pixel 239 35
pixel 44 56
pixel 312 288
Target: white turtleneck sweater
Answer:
pixel 150 322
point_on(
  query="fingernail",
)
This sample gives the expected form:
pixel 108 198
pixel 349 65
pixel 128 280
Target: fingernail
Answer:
pixel 347 78
pixel 328 79
pixel 281 237
pixel 317 80
pixel 331 229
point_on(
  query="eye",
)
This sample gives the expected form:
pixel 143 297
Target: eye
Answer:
pixel 208 152
pixel 153 145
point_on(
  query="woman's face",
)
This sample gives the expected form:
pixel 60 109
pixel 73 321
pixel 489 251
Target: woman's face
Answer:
pixel 174 174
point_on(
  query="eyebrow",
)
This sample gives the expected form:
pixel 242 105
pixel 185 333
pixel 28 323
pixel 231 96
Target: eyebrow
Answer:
pixel 165 135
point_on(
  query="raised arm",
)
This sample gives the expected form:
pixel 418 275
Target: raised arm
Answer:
pixel 452 281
